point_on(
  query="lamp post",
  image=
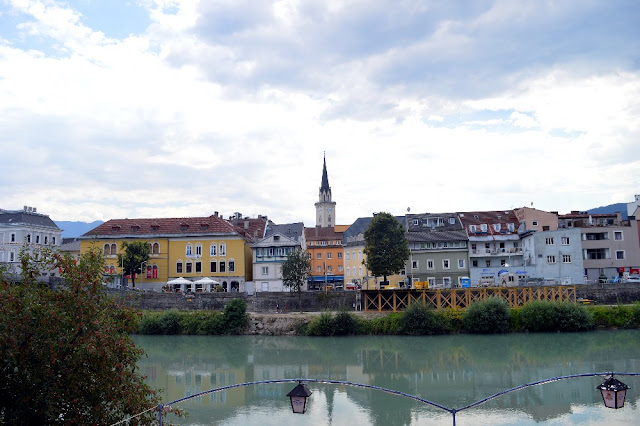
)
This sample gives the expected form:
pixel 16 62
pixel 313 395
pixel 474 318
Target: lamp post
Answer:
pixel 298 396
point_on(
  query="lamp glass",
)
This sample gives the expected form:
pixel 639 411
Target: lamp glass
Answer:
pixel 298 404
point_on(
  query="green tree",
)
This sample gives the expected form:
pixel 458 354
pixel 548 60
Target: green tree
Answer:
pixel 386 246
pixel 65 355
pixel 295 272
pixel 135 254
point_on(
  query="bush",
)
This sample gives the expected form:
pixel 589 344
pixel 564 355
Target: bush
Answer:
pixel 322 325
pixel 345 324
pixel 388 324
pixel 193 323
pixel 418 320
pixel 214 324
pixel 542 315
pixel 235 316
pixel 487 316
pixel 149 324
pixel 616 316
pixel 453 319
pixel 170 323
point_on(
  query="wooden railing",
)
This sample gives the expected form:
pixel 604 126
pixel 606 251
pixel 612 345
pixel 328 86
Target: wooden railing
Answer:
pixel 398 300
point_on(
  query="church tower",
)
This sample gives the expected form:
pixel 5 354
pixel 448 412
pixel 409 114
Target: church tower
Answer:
pixel 325 208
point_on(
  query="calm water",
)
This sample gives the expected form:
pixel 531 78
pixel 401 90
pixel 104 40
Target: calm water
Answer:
pixel 450 370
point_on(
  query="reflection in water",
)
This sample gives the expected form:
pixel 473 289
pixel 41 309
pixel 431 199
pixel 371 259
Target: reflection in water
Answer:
pixel 450 370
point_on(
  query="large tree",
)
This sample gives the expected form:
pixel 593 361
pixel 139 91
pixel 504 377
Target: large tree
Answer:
pixel 386 246
pixel 65 354
pixel 295 271
pixel 135 254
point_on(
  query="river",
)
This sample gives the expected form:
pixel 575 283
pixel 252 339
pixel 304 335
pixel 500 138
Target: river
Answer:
pixel 452 370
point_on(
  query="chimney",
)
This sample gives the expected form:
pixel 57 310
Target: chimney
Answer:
pixel 215 214
pixel 246 224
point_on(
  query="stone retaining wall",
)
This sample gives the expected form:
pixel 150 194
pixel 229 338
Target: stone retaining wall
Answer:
pixel 318 301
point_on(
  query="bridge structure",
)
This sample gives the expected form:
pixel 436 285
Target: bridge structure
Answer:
pixel 460 298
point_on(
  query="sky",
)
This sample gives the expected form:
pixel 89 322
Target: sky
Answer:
pixel 174 108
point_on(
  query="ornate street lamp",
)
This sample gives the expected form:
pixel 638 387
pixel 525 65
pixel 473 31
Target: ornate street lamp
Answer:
pixel 299 396
pixel 613 392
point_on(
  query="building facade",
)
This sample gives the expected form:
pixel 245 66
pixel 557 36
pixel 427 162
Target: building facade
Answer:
pixel 439 250
pixel 190 248
pixel 494 246
pixel 324 246
pixel 531 219
pixel 551 257
pixel 26 229
pixel 271 251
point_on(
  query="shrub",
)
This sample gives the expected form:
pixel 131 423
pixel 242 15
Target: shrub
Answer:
pixel 235 316
pixel 322 325
pixel 544 315
pixel 214 324
pixel 453 319
pixel 418 320
pixel 170 323
pixel 345 324
pixel 194 322
pixel 388 324
pixel 487 316
pixel 149 324
pixel 615 316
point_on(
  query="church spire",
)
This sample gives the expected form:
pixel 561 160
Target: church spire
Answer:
pixel 325 179
pixel 325 207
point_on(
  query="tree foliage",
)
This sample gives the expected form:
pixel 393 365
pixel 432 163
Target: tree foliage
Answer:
pixel 296 270
pixel 65 355
pixel 386 246
pixel 133 255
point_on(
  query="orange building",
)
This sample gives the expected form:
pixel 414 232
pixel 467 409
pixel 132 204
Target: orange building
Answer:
pixel 324 245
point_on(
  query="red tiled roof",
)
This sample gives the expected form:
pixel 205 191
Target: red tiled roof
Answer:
pixel 318 234
pixel 164 226
pixel 502 217
pixel 251 228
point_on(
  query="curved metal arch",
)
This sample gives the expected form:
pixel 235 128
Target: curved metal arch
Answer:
pixel 452 411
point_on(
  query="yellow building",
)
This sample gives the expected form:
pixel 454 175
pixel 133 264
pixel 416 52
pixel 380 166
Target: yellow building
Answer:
pixel 191 248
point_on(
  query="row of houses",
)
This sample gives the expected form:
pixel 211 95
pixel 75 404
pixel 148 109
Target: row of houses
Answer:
pixel 523 246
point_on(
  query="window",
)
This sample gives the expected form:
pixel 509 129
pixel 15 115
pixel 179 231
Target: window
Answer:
pixel 189 267
pixel 414 264
pixel 28 238
pixel 483 227
pixel 339 268
pixel 155 248
pixel 46 239
pixel 545 228
pixel 503 262
pixel 329 268
pixel 213 266
pixel 198 249
pixel 339 255
pixel 328 255
pixel 223 266
pixel 347 254
pixel 474 263
pixel 472 228
pixel 319 268
pixel 565 241
pixel 431 281
pixel 549 241
pixel 360 271
pixel 596 254
pixel 566 258
pixel 213 249
pixel 265 270
pixel 348 271
pixel 452 221
pixel 551 259
pixel 415 221
pixel 620 254
pixel 223 250
pixel 534 223
pixel 13 238
pixel 179 267
pixel 488 263
pixel 359 254
pixel 188 250
pixel 232 266
pixel 319 256
pixel 53 240
pixel 511 227
pixel 430 264
pixel 198 267
pixel 617 235
pixel 114 249
pixel 445 263
pixel 496 227
pixel 460 263
pixel 107 249
pixel 446 281
pixel 12 256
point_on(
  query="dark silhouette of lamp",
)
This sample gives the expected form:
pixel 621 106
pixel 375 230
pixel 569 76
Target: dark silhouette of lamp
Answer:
pixel 613 392
pixel 299 396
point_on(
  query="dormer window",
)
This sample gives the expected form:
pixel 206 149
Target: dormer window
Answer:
pixel 511 227
pixel 155 227
pixel 483 227
pixel 472 228
pixel 115 228
pixel 496 227
pixel 276 238
pixel 452 221
pixel 204 226
pixel 134 228
pixel 416 221
pixel 184 226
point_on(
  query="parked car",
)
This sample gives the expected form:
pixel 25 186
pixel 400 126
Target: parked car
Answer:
pixel 634 279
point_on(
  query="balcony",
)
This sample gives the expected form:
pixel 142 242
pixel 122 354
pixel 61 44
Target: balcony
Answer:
pixel 484 252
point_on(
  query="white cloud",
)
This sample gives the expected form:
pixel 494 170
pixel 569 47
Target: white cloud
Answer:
pixel 414 107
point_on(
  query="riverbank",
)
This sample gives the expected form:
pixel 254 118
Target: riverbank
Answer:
pixel 290 323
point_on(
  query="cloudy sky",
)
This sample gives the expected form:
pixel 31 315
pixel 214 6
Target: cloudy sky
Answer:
pixel 170 108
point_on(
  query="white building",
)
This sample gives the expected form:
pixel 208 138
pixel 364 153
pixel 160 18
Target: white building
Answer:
pixel 27 229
